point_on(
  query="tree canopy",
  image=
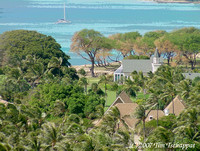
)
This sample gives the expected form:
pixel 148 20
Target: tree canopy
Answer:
pixel 18 44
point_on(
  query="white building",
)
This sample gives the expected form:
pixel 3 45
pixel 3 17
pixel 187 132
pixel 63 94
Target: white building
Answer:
pixel 144 65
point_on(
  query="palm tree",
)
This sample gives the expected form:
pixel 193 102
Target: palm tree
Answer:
pixel 139 79
pixel 161 135
pixel 83 143
pixel 194 98
pixel 130 87
pixel 84 81
pixel 55 64
pixel 187 127
pixel 184 88
pixel 32 142
pixel 34 69
pixel 153 99
pixel 141 113
pixel 49 135
pixel 105 80
pixel 112 119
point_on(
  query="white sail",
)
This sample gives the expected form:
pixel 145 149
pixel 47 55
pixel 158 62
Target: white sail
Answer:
pixel 63 21
pixel 64 12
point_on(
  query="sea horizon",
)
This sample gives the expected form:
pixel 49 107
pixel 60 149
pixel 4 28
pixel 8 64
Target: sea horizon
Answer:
pixel 106 16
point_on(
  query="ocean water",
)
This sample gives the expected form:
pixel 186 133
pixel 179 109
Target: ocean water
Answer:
pixel 106 16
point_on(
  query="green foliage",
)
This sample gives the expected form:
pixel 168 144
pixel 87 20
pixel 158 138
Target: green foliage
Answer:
pixel 95 89
pixel 82 72
pixel 57 99
pixel 136 57
pixel 92 102
pixel 18 44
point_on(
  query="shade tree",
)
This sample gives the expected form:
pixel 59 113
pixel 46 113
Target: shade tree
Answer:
pixel 188 42
pixel 87 43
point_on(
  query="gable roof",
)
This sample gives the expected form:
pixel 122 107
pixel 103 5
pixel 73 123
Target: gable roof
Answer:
pixel 125 98
pixel 178 106
pixel 153 113
pixel 126 112
pixel 130 65
pixel 122 98
pixel 119 70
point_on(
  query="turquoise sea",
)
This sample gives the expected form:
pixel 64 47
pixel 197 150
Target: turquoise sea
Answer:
pixel 106 16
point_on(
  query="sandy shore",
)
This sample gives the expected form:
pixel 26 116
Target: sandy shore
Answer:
pixel 97 70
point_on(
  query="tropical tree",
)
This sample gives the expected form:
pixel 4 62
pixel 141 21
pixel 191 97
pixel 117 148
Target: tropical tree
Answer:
pixel 124 43
pixel 184 88
pixel 82 72
pixel 89 42
pixel 18 44
pixel 111 121
pixel 153 99
pixel 167 48
pixel 49 135
pixel 145 45
pixel 160 135
pixel 187 40
pixel 83 81
pixel 187 127
pixel 105 80
pixel 141 114
pixel 130 87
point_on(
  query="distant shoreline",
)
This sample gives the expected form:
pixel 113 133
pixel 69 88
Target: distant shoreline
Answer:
pixel 172 1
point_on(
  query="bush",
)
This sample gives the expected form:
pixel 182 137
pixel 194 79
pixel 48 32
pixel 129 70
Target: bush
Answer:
pixel 136 57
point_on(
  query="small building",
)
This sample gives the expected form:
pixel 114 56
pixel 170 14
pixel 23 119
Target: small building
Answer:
pixel 126 112
pixel 122 98
pixel 176 106
pixel 152 115
pixel 144 65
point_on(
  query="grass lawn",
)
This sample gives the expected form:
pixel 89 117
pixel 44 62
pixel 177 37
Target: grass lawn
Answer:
pixel 140 95
pixel 92 80
pixel 111 94
pixel 111 98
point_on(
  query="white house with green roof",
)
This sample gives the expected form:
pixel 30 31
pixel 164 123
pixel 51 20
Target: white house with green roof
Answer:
pixel 144 65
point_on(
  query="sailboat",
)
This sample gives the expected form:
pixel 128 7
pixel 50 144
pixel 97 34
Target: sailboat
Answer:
pixel 63 21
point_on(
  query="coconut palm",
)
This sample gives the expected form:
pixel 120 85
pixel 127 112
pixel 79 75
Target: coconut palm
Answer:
pixel 184 88
pixel 141 113
pixel 187 127
pixel 49 135
pixel 84 81
pixel 105 80
pixel 130 87
pixel 153 99
pixel 32 142
pixel 82 143
pixel 161 135
pixel 194 98
pixel 112 119
pixel 139 79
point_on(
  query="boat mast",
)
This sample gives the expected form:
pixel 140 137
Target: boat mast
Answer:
pixel 64 12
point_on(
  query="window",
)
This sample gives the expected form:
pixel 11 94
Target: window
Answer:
pixel 166 112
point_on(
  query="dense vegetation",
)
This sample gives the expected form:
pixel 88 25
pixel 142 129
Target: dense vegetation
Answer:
pixel 179 47
pixel 52 107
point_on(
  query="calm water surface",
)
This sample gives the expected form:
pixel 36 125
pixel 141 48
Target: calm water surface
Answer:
pixel 106 16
